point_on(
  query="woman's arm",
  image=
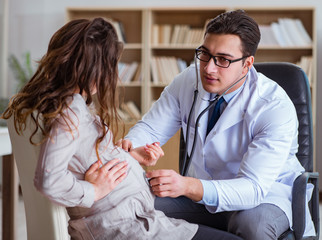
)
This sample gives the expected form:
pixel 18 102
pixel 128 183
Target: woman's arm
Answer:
pixel 147 155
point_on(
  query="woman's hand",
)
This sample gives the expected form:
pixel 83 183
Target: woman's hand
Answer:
pixel 107 177
pixel 124 144
pixel 148 155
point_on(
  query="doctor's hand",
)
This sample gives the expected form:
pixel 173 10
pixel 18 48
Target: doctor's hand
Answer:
pixel 148 155
pixel 105 178
pixel 124 144
pixel 168 183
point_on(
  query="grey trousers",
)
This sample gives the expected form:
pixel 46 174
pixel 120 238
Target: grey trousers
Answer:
pixel 265 221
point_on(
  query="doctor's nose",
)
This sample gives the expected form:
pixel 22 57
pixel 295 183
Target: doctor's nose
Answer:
pixel 211 66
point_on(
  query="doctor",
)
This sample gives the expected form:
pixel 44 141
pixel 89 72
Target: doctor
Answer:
pixel 241 174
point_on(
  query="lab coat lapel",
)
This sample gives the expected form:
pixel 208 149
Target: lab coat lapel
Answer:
pixel 234 111
pixel 201 104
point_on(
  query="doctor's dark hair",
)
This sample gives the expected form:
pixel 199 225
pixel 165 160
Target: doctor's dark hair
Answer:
pixel 240 24
pixel 81 56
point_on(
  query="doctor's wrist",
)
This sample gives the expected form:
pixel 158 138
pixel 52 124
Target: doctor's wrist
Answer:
pixel 193 189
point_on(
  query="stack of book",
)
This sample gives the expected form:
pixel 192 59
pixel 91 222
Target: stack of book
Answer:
pixel 129 112
pixel 286 32
pixel 130 72
pixel 165 68
pixel 176 34
pixel 306 63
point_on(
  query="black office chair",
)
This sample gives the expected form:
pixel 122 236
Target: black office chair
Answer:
pixel 294 81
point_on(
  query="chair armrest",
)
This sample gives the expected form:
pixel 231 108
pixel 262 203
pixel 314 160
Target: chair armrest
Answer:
pixel 299 203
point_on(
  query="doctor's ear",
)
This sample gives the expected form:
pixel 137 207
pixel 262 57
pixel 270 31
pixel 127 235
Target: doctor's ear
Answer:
pixel 248 63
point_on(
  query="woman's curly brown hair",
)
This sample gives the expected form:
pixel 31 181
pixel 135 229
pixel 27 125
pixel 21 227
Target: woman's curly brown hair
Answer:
pixel 82 55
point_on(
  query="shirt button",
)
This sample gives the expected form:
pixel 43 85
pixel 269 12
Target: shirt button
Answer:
pixel 214 133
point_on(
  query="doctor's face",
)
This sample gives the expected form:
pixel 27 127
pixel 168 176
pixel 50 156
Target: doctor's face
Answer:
pixel 216 79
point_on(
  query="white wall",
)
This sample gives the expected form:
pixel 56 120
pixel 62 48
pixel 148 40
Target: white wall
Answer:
pixel 3 45
pixel 32 23
pixel 1 39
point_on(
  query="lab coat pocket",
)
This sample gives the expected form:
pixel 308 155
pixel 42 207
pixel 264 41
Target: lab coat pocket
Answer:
pixel 191 135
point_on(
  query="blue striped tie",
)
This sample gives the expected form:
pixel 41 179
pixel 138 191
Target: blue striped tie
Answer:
pixel 215 115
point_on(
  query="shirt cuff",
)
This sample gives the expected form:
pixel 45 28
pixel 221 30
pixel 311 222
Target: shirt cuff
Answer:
pixel 89 194
pixel 210 195
pixel 135 141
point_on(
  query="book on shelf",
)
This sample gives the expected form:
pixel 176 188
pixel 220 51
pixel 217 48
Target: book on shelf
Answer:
pixel 278 34
pixel 304 34
pixel 306 63
pixel 165 68
pixel 127 71
pixel 285 32
pixel 194 36
pixel 184 29
pixel 130 111
pixel 165 33
pixel 182 65
pixel 138 75
pixel 176 34
pixel 119 28
pixel 155 34
pixel 154 70
pixel 289 26
pixel 267 36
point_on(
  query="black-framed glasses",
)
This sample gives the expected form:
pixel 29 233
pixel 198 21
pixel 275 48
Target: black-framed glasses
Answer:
pixel 220 61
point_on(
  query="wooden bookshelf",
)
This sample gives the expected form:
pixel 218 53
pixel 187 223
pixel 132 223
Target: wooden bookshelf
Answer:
pixel 132 22
pixel 141 46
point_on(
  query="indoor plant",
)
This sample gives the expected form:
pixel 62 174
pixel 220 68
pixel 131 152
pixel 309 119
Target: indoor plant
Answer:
pixel 22 73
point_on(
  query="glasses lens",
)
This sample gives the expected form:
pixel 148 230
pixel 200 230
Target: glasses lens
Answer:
pixel 222 62
pixel 202 55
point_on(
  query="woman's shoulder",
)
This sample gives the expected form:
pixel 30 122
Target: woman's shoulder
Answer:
pixel 77 111
pixel 77 103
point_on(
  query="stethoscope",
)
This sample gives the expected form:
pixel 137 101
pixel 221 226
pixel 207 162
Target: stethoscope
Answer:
pixel 187 161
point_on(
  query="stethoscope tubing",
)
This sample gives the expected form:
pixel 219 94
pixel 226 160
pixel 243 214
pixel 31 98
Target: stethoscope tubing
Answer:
pixel 187 161
pixel 186 165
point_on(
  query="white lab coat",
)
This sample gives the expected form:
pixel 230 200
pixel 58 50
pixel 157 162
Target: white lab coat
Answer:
pixel 249 155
